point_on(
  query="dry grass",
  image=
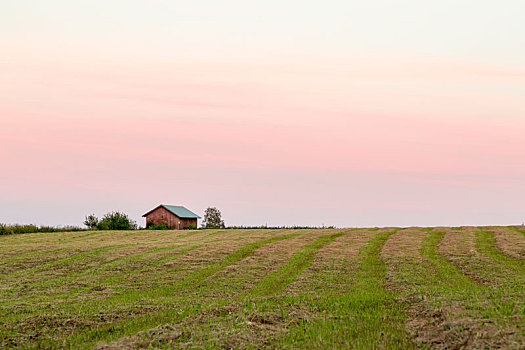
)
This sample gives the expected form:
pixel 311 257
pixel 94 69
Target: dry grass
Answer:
pixel 244 274
pixel 510 241
pixel 334 265
pixel 459 247
pixel 458 296
pixel 404 244
pixel 450 288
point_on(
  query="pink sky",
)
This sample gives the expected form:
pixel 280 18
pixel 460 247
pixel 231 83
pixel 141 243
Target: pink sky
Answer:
pixel 269 135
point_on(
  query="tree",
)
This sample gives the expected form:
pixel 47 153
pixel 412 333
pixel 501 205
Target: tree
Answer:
pixel 91 221
pixel 212 218
pixel 116 221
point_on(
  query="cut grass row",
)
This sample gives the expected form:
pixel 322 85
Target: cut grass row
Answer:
pixel 215 289
pixel 199 277
pixel 462 300
pixel 90 271
pixel 368 317
pixel 486 244
pixel 155 294
pixel 273 282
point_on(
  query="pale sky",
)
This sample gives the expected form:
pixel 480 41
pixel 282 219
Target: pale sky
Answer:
pixel 346 113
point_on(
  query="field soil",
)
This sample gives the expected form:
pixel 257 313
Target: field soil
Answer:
pixel 377 288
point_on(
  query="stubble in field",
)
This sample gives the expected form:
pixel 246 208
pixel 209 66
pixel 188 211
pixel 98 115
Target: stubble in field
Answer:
pixel 353 288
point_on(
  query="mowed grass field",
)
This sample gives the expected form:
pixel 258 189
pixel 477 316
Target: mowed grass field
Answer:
pixel 385 288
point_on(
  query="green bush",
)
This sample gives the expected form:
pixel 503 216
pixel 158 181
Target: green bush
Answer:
pixel 116 221
pixel 190 227
pixel 150 225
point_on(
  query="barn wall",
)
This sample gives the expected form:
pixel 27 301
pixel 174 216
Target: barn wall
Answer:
pixel 159 216
pixel 162 215
pixel 187 222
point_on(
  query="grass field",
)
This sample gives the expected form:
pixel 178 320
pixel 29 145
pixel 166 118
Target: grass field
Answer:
pixel 335 288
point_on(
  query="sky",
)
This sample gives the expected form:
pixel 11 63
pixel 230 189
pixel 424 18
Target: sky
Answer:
pixel 346 113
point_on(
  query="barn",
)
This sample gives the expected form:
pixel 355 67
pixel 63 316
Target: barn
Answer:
pixel 174 216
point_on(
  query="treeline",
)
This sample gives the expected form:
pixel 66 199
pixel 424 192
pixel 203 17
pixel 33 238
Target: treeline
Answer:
pixel 19 229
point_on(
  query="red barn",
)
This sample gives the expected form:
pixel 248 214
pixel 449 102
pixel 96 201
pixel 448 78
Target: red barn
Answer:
pixel 174 216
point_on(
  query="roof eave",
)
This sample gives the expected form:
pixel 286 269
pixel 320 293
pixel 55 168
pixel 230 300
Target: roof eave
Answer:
pixel 162 205
pixel 152 210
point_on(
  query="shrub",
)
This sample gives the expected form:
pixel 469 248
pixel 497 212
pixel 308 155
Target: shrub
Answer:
pixel 150 225
pixel 20 229
pixel 116 221
pixel 190 227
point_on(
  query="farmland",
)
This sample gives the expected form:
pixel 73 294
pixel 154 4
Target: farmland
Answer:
pixel 460 287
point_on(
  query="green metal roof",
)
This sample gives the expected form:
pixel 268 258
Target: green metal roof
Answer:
pixel 178 210
pixel 181 212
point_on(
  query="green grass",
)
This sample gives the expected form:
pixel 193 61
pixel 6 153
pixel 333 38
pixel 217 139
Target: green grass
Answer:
pixel 261 288
pixel 366 317
pixel 439 269
pixel 486 243
pixel 466 293
pixel 275 281
pixel 198 277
